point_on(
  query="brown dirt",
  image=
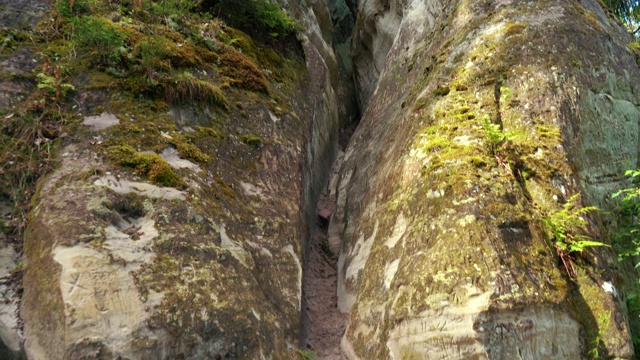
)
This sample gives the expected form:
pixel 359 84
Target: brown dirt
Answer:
pixel 324 324
pixel 327 324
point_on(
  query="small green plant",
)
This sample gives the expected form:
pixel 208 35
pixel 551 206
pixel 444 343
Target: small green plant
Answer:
pixel 100 34
pixel 627 242
pixel 303 354
pixel 628 234
pixel 567 226
pixel 53 81
pixel 495 136
pixel 493 133
pixel 54 86
pixel 505 94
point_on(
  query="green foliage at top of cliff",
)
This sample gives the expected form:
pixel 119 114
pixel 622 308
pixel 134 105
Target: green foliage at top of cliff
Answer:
pixel 256 17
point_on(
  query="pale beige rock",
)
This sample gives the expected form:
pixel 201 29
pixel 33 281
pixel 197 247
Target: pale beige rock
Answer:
pixel 101 299
pixel 124 186
pixel 531 333
pixel 101 122
pixel 10 332
pixel 236 250
pixel 171 156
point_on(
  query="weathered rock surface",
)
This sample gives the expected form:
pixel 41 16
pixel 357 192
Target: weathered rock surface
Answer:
pixel 16 16
pixel 444 254
pixel 22 14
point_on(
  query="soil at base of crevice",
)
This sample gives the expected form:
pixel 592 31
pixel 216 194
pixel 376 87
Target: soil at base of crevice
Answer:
pixel 324 324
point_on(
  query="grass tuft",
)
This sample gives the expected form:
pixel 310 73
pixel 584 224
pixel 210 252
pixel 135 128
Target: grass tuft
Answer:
pixel 187 88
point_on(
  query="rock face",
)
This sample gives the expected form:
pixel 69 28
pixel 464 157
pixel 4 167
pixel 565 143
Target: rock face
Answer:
pixel 443 250
pixel 209 268
pixel 178 227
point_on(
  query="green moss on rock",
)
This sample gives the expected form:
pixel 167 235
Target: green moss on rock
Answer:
pixel 186 88
pixel 151 165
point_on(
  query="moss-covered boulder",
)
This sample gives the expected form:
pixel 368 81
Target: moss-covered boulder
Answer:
pixel 485 119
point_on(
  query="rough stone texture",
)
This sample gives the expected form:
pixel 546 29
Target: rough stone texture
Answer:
pixel 100 122
pixel 343 19
pixel 444 253
pixel 18 62
pixel 378 23
pixel 81 300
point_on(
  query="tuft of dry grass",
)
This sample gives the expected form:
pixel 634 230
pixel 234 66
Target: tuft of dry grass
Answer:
pixel 187 88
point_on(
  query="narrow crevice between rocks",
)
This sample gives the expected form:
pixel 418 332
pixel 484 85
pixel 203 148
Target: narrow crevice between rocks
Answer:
pixel 323 323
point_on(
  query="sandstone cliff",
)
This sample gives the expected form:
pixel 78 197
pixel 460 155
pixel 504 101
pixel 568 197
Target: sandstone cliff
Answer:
pixel 184 159
pixel 443 250
pixel 174 222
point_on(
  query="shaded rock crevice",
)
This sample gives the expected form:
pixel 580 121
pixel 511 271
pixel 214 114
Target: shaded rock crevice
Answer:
pixel 322 322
